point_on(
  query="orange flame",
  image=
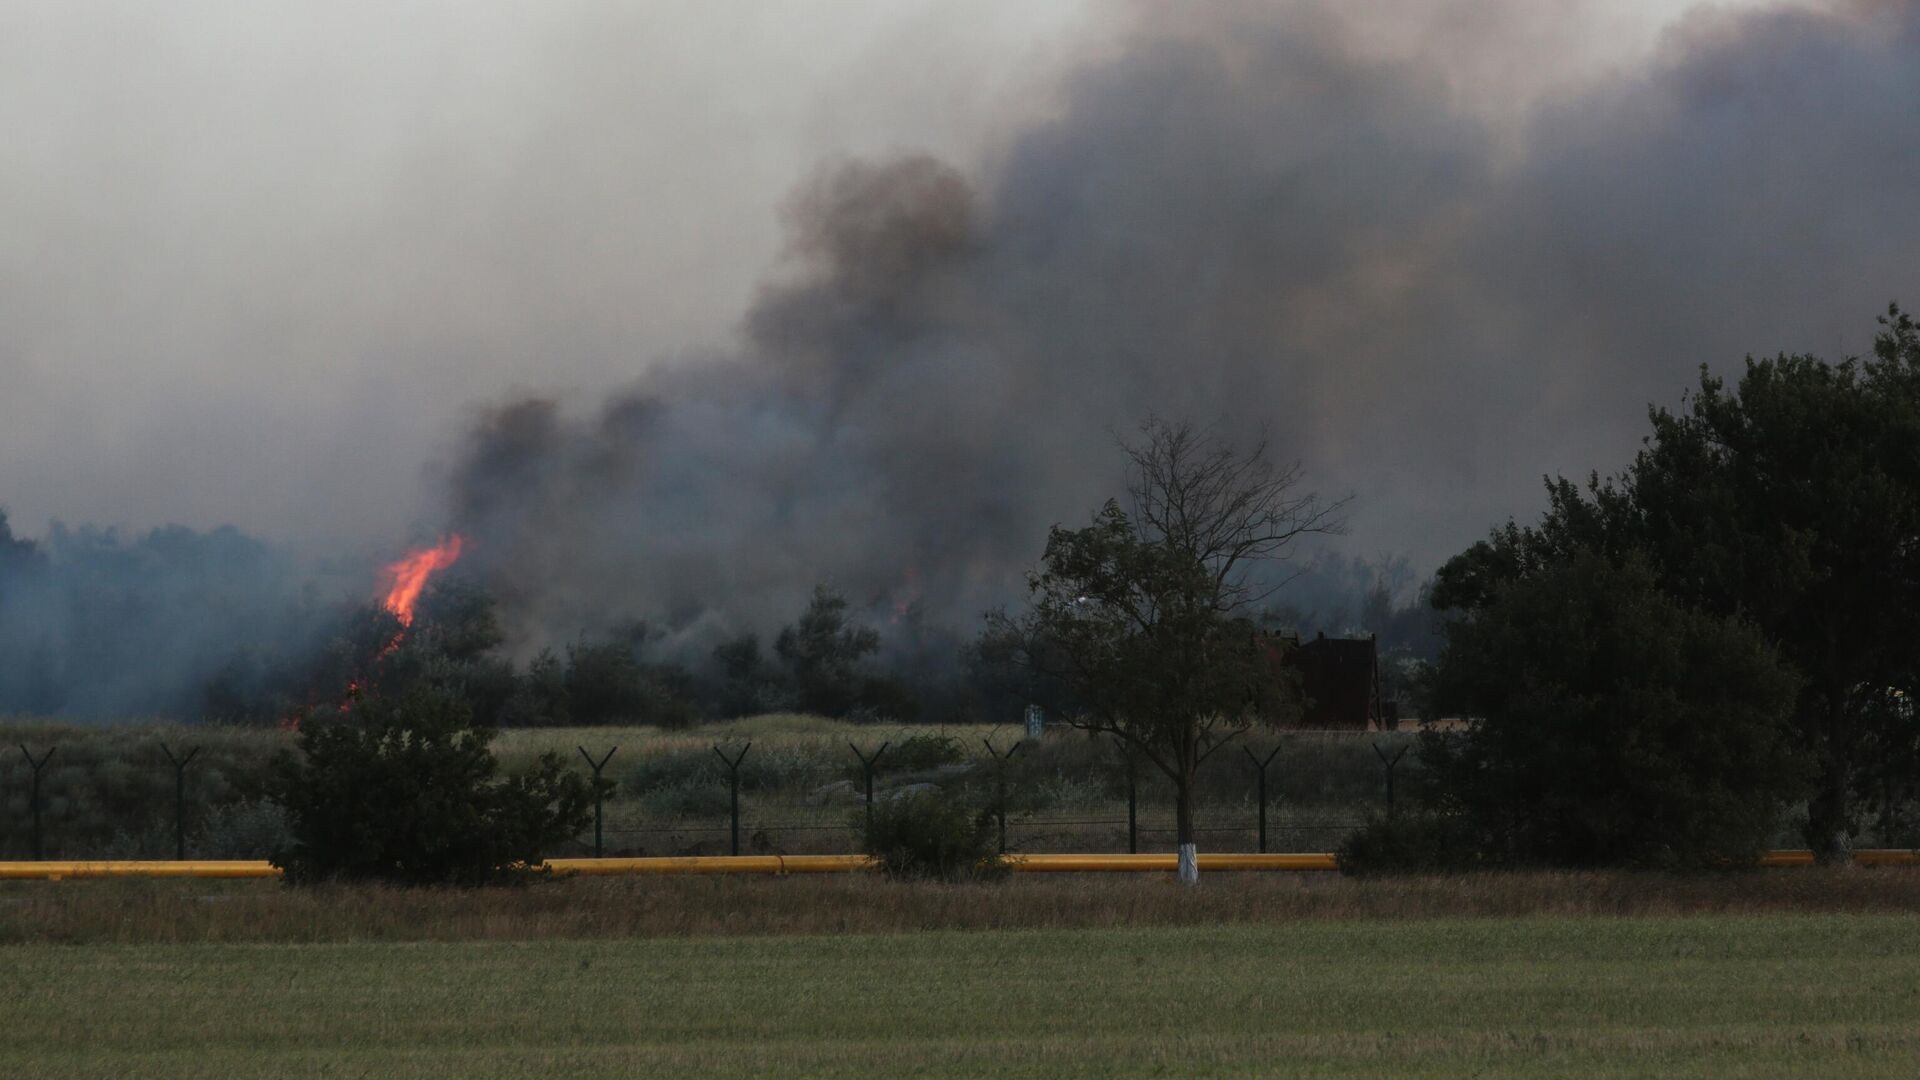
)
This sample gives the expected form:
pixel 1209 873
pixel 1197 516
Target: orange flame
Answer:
pixel 406 578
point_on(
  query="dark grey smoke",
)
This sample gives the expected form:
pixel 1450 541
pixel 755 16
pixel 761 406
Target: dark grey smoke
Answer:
pixel 1246 217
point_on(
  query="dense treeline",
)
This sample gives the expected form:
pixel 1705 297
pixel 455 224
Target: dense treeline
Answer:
pixel 1672 657
pixel 824 663
pixel 95 624
pixel 184 625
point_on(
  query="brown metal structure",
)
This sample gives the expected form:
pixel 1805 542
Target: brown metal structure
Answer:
pixel 1339 682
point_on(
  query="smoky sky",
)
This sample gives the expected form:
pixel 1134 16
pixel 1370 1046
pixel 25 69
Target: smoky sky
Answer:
pixel 1434 251
pixel 1255 217
pixel 258 260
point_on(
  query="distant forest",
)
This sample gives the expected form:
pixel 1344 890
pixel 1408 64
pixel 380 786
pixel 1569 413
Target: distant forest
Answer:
pixel 187 624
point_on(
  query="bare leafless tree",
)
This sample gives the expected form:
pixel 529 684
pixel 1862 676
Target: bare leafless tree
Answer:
pixel 1145 616
pixel 1225 508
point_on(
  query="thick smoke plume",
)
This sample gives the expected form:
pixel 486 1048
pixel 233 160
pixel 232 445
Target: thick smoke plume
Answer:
pixel 1268 216
pixel 1433 249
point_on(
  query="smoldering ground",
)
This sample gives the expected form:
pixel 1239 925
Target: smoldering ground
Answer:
pixel 1263 215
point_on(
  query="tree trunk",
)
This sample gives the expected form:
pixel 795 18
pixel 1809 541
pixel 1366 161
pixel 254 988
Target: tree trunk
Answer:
pixel 1183 818
pixel 1828 811
pixel 1827 814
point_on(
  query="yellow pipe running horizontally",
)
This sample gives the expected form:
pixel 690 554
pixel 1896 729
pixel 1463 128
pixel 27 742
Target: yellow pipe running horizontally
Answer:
pixel 714 864
pixel 1167 862
pixel 58 870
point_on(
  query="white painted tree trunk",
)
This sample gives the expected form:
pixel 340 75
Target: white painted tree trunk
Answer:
pixel 1189 864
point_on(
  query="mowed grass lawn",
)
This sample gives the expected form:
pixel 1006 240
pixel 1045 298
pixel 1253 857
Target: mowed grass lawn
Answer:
pixel 1761 996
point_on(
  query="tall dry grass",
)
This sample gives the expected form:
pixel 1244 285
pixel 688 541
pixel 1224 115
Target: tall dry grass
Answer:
pixel 107 791
pixel 261 911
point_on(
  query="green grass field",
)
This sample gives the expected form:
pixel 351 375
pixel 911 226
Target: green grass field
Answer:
pixel 1761 996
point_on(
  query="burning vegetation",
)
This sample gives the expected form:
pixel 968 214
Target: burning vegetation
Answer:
pixel 409 576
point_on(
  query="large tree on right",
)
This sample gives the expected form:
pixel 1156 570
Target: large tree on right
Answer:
pixel 1789 500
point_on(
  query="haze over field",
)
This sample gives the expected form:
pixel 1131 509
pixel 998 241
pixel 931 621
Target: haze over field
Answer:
pixel 675 312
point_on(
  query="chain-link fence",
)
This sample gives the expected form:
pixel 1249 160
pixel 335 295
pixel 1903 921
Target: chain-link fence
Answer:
pixel 185 792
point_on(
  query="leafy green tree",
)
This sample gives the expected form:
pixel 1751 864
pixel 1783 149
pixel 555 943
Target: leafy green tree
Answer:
pixel 604 682
pixel 607 682
pixel 1790 500
pixel 1611 725
pixel 823 650
pixel 540 699
pixel 406 789
pixel 451 644
pixel 460 618
pixel 747 683
pixel 354 652
pixel 1145 616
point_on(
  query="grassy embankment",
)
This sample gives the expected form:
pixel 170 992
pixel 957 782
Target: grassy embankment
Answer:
pixel 1766 995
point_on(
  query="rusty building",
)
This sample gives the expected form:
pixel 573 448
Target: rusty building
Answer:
pixel 1339 682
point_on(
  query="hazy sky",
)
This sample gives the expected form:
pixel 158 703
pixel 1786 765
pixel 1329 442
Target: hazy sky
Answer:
pixel 261 262
pixel 257 258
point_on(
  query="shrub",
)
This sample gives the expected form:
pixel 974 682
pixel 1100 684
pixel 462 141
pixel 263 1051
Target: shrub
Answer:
pixel 407 790
pixel 885 700
pixel 772 767
pixel 1062 792
pixel 918 753
pixel 1420 843
pixel 247 830
pixel 689 798
pixel 929 835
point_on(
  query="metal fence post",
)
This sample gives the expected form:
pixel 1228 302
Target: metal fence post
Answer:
pixel 1390 763
pixel 733 791
pixel 39 852
pixel 599 793
pixel 1260 770
pixel 1000 784
pixel 866 766
pixel 179 799
pixel 1133 800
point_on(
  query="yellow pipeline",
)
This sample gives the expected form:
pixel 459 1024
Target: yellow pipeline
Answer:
pixel 1043 864
pixel 687 864
pixel 57 870
pixel 715 864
